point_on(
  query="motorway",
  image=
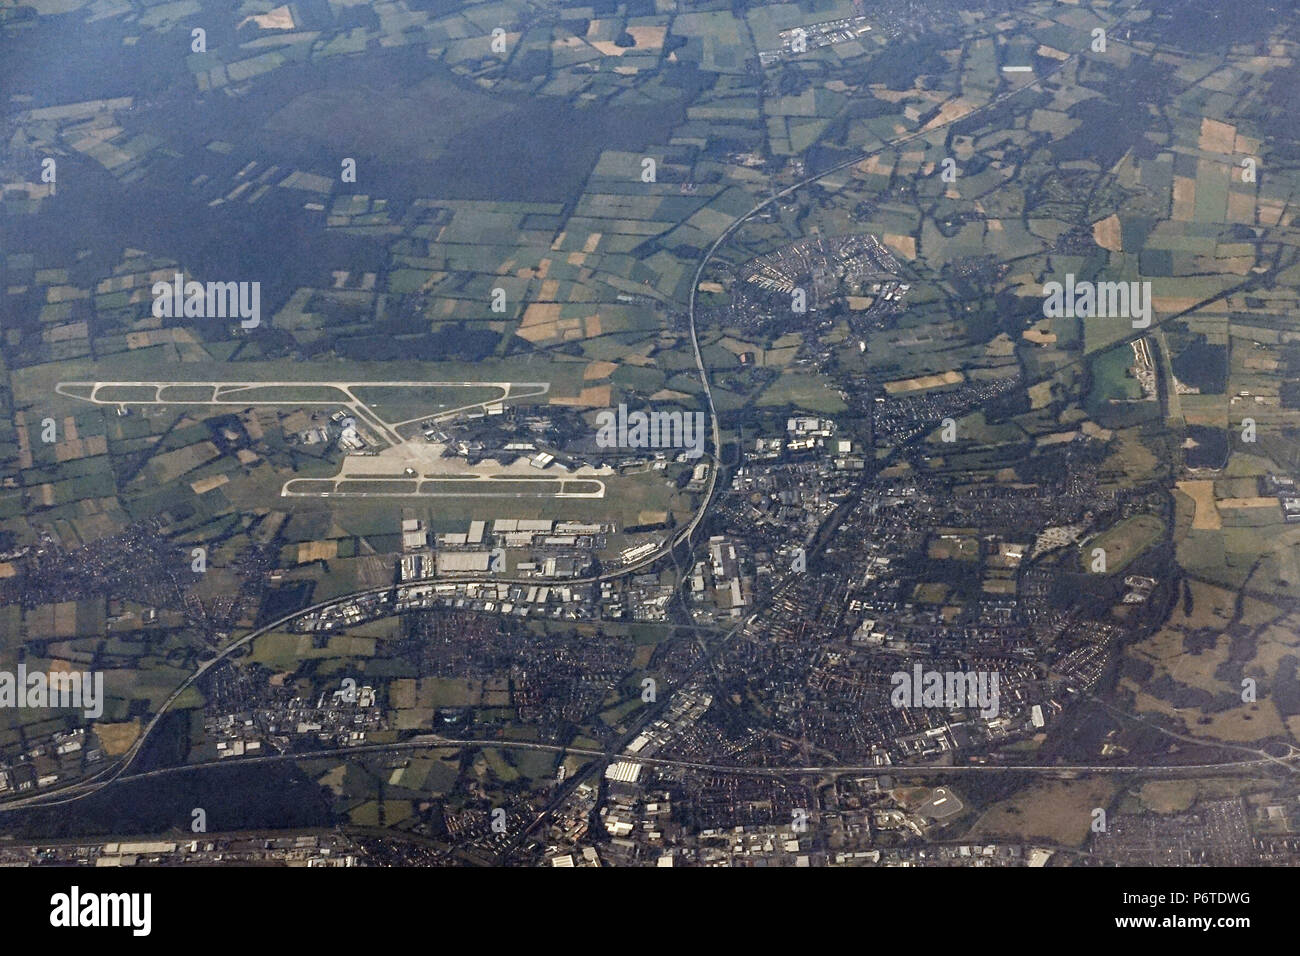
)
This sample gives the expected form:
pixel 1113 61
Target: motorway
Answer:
pixel 433 741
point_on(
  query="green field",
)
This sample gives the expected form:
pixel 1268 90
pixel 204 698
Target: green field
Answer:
pixel 1123 542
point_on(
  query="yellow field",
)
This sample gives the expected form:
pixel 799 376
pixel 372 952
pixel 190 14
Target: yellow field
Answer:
pixel 923 382
pixel 593 396
pixel 903 245
pixel 1184 198
pixel 1230 504
pixel 317 551
pixel 1059 812
pixel 1207 516
pixel 117 738
pixel 1106 233
pixel 204 485
pixel 1216 137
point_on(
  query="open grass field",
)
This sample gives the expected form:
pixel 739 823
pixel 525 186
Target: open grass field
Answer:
pixel 1123 542
pixel 1056 811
